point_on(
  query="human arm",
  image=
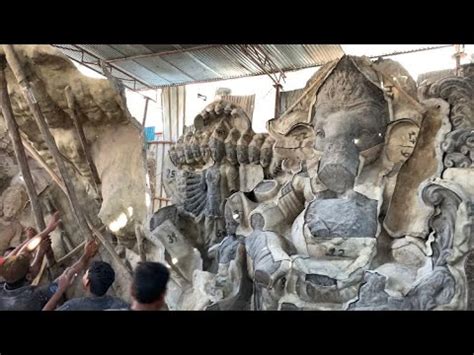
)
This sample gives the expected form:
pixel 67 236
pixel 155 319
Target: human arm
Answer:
pixel 35 267
pixel 63 282
pixel 90 250
pixel 68 276
pixel 30 244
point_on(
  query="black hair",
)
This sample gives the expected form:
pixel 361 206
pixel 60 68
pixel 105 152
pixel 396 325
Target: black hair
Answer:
pixel 17 284
pixel 149 281
pixel 101 277
pixel 8 250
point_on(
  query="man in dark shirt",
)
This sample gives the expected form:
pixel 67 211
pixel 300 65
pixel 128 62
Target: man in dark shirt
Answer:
pixel 96 281
pixel 149 286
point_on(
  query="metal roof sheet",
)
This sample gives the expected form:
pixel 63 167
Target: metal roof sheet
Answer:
pixel 156 66
pixel 141 66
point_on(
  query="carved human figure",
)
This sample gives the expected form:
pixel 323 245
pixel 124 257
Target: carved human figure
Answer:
pixel 243 147
pixel 180 151
pixel 255 147
pixel 216 185
pixel 188 148
pixel 232 170
pixel 195 143
pixel 204 146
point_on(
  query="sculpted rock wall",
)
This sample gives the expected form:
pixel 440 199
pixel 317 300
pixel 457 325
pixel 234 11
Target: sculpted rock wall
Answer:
pixel 109 128
pixel 114 138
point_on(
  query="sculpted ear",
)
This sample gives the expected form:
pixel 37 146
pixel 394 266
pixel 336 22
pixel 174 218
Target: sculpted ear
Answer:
pixel 400 140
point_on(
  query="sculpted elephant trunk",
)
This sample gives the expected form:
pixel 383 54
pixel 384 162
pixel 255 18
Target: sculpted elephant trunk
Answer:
pixel 339 165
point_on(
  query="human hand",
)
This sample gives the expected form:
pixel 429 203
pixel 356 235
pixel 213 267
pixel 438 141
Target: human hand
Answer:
pixel 53 222
pixel 45 244
pixel 30 232
pixel 66 279
pixel 90 248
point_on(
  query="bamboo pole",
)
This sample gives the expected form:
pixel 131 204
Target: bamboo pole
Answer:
pixel 29 94
pixel 72 252
pixel 71 101
pixel 140 237
pixel 145 112
pixel 14 133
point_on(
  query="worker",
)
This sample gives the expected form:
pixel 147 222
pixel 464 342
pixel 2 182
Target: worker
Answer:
pixel 148 287
pixel 19 266
pixel 96 282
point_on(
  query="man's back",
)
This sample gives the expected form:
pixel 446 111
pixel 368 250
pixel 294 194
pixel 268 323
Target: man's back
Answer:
pixel 26 297
pixel 93 303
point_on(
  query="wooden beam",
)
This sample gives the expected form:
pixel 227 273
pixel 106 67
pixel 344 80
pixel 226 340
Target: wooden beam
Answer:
pixel 35 155
pixel 72 252
pixel 110 248
pixel 140 237
pixel 146 111
pixel 14 133
pixel 71 101
pixel 29 94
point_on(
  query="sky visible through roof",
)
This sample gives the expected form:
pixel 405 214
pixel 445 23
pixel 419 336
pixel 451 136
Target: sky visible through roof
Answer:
pixel 262 86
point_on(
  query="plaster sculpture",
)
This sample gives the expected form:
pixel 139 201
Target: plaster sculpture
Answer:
pixel 359 197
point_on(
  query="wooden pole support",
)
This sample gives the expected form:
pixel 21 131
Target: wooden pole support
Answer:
pixel 145 111
pixel 72 252
pixel 71 101
pixel 15 137
pixel 140 237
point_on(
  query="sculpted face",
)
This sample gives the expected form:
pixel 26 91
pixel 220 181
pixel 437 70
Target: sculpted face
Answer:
pixel 403 135
pixel 173 155
pixel 195 145
pixel 233 214
pixel 204 146
pixel 188 151
pixel 231 146
pixel 14 199
pixel 254 148
pixel 216 142
pixel 266 152
pixel 243 147
pixel 180 155
pixel 350 117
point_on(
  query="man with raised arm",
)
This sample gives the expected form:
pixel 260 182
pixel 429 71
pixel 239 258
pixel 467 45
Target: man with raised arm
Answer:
pixel 20 266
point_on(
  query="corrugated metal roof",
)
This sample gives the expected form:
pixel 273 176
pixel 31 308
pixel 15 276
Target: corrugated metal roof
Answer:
pixel 154 66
